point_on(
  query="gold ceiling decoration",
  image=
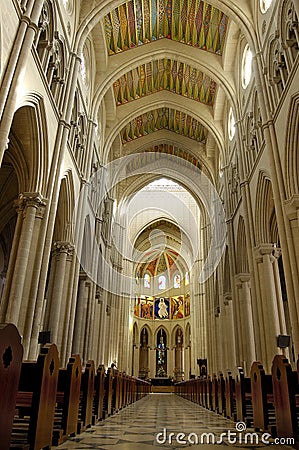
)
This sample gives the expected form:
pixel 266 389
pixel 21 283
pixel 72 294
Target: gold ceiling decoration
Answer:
pixel 165 74
pixel 192 22
pixel 167 119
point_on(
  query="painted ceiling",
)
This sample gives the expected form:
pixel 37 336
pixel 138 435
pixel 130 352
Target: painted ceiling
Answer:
pixel 175 151
pixel 165 74
pixel 192 22
pixel 159 264
pixel 164 118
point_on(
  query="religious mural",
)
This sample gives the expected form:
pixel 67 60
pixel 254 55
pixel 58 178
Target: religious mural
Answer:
pixel 162 308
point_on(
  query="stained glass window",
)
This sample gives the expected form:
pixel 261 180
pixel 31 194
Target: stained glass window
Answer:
pixel 177 281
pixel 162 282
pixel 147 281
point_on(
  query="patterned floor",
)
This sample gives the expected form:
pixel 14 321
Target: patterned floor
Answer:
pixel 148 424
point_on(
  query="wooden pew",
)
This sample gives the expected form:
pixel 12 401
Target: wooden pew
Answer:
pixel 209 394
pixel 221 394
pixel 230 396
pixel 108 392
pixel 99 386
pixel 285 393
pixel 67 400
pixel 125 390
pixel 11 354
pixel 262 399
pixel 36 400
pixel 85 417
pixel 243 398
pixel 214 393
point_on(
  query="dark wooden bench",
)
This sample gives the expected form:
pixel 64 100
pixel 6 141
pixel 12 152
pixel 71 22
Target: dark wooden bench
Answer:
pixel 221 394
pixel 35 403
pixel 244 398
pixel 214 393
pixel 286 397
pixel 230 396
pixel 85 417
pixel 108 392
pixel 67 400
pixel 209 393
pixel 11 354
pixel 262 399
pixel 99 387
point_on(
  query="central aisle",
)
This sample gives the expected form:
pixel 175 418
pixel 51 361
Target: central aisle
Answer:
pixel 157 415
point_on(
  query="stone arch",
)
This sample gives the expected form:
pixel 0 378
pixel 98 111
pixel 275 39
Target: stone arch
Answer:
pixel 150 334
pixel 56 70
pixel 45 35
pixel 242 255
pixel 86 251
pixel 29 140
pixel 64 215
pixel 158 330
pixel 232 9
pixel 135 334
pixel 174 334
pixel 265 210
pixel 289 31
pixel 227 288
pixel 292 145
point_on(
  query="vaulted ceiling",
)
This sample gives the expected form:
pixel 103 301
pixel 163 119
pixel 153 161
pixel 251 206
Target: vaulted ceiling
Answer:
pixel 139 22
pixel 136 25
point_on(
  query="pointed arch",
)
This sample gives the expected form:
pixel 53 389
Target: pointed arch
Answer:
pixel 292 146
pixel 65 208
pixel 242 265
pixel 265 210
pixel 29 137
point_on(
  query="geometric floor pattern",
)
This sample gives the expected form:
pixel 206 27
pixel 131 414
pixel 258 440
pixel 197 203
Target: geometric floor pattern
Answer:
pixel 169 422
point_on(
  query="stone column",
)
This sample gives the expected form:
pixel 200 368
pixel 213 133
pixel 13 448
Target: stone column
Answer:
pixel 14 72
pixel 29 203
pixel 265 259
pixel 12 261
pixel 178 363
pixel 32 276
pixel 152 360
pixel 76 348
pixel 57 303
pixel 278 186
pixel 292 211
pixel 230 337
pixel 135 358
pixel 71 286
pixel 246 321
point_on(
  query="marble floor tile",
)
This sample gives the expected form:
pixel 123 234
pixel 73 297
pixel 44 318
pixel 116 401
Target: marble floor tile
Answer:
pixel 154 423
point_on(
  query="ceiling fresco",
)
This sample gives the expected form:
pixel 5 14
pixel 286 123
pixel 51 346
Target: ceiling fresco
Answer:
pixel 192 22
pixel 165 74
pixel 174 150
pixel 157 265
pixel 164 118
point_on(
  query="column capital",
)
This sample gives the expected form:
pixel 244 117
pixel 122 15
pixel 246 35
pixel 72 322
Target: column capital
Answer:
pixel 242 278
pixel 227 297
pixel 63 247
pixel 269 249
pixel 31 199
